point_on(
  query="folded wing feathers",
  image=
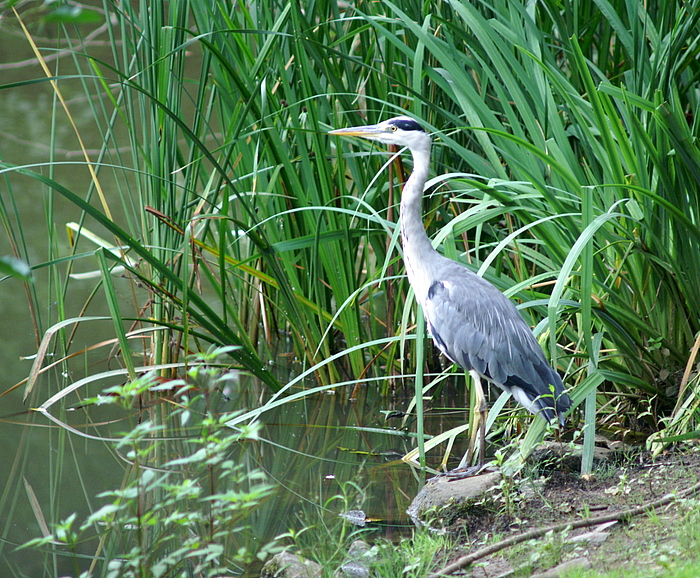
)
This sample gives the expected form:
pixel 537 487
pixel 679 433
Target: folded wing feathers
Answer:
pixel 479 328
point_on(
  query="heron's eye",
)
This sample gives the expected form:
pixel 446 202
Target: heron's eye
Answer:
pixel 394 128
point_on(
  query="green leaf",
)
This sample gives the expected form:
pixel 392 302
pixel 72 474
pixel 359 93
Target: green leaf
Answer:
pixel 73 15
pixel 13 267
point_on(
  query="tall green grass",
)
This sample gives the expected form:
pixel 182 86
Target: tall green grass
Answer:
pixel 586 189
pixel 220 213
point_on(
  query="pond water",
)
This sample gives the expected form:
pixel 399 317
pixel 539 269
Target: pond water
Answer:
pixel 312 450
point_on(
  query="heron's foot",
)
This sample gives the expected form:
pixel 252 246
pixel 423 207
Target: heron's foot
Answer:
pixel 460 473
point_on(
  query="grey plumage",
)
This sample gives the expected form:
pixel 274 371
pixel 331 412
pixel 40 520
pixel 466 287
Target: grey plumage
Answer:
pixel 478 328
pixel 471 321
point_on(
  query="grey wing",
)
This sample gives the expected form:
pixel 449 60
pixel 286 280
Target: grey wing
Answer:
pixel 479 328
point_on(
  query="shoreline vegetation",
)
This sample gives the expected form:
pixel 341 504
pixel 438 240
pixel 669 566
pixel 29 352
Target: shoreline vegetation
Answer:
pixel 224 351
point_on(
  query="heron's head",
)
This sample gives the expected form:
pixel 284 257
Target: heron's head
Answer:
pixel 400 131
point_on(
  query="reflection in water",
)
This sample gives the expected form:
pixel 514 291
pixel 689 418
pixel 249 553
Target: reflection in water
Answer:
pixel 321 446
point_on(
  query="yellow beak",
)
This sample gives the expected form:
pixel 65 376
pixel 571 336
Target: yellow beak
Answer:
pixel 361 131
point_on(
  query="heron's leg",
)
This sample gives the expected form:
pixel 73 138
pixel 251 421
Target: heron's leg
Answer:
pixel 482 408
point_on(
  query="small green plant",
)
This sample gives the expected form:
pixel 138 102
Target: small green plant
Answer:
pixel 413 557
pixel 622 488
pixel 689 528
pixel 333 533
pixel 549 551
pixel 184 508
pixel 507 488
pixel 329 527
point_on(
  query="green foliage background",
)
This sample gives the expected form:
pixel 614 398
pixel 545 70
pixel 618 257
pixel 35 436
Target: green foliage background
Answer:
pixel 566 171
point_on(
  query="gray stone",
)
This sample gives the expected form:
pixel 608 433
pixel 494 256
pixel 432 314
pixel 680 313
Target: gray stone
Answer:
pixel 287 565
pixel 446 502
pixel 360 558
pixel 353 569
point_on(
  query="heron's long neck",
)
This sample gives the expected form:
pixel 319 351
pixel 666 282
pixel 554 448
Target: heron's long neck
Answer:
pixel 417 250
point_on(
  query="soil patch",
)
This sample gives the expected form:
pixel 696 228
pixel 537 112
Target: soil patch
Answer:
pixel 554 497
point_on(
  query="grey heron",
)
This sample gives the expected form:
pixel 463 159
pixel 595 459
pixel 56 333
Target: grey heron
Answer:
pixel 470 320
